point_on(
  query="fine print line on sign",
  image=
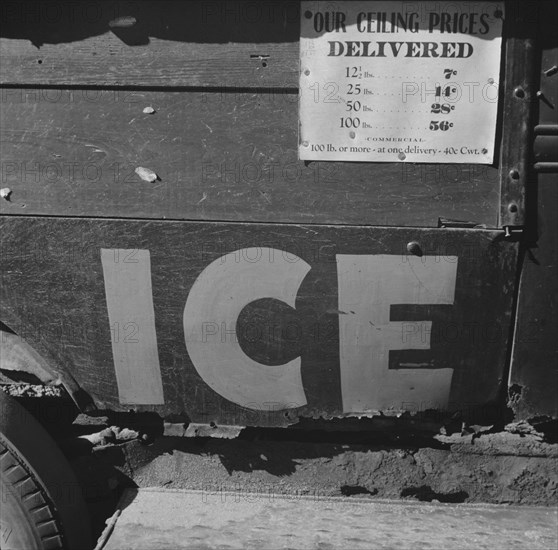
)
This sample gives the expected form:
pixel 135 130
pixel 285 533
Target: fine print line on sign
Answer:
pixel 399 82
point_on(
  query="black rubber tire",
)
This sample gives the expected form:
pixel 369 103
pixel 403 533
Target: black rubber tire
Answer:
pixel 41 506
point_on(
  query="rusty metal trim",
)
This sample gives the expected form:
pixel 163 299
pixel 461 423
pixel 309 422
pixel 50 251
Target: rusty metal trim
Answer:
pixel 174 429
pixel 546 130
pixel 545 151
pixel 546 167
pixel 212 430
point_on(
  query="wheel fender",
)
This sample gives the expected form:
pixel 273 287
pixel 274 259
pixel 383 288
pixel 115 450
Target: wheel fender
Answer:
pixel 31 441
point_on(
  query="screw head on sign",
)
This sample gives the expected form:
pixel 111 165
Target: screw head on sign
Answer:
pixel 414 248
pixel 512 208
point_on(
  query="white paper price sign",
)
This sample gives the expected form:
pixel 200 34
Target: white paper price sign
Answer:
pixel 399 81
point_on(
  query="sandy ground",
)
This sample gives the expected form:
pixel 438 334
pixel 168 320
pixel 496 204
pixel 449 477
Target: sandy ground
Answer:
pixel 156 519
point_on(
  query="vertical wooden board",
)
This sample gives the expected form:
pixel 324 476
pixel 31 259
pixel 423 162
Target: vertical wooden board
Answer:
pixel 519 102
pixel 281 299
pixel 533 381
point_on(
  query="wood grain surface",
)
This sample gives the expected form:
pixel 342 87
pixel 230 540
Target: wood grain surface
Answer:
pixel 53 294
pixel 140 43
pixel 219 80
pixel 218 155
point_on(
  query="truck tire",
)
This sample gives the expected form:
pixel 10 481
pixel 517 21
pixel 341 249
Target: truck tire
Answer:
pixel 41 506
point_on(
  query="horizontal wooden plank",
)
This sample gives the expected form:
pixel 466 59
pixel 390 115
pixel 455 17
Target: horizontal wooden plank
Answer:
pixel 139 43
pixel 219 156
pixel 256 324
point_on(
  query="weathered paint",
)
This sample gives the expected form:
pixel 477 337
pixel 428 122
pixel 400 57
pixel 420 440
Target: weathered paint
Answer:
pixel 368 287
pixel 286 293
pixel 219 294
pixel 228 153
pixel 127 277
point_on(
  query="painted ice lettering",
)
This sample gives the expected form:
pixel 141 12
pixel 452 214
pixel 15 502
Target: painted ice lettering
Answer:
pixel 127 275
pixel 368 286
pixel 218 295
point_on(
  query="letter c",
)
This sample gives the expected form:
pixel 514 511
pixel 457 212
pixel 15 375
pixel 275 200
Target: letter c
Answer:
pixel 218 296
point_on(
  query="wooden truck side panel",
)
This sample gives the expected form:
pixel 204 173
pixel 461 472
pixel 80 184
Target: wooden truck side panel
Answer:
pixel 263 317
pixel 243 286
